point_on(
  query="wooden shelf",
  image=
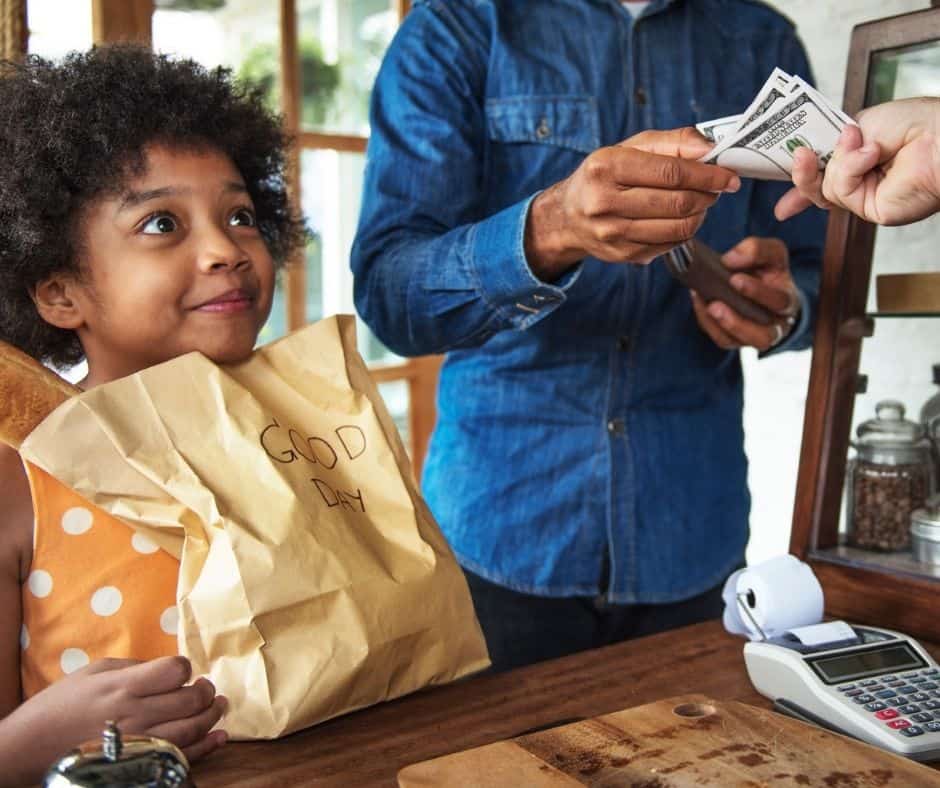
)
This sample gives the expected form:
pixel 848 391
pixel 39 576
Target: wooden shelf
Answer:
pixel 917 293
pixel 900 563
pixel 880 315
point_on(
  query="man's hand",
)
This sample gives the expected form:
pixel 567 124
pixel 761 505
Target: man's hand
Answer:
pixel 150 698
pixel 627 203
pixel 886 170
pixel 763 276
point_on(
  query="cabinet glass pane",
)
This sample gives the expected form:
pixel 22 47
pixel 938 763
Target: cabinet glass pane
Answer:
pixel 331 186
pixel 897 362
pixel 57 28
pixel 243 35
pixel 899 74
pixel 341 44
pixel 904 73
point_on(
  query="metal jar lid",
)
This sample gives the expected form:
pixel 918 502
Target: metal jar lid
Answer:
pixel 925 522
pixel 129 761
pixel 889 438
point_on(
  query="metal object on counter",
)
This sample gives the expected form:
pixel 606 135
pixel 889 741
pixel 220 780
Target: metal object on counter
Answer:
pixel 125 761
pixel 889 478
pixel 925 532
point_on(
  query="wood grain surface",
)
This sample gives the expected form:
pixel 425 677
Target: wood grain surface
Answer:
pixel 369 747
pixel 690 741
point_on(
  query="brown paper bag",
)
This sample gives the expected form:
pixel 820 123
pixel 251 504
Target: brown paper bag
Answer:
pixel 313 579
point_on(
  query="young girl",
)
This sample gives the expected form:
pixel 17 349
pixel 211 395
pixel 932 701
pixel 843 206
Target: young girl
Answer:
pixel 143 211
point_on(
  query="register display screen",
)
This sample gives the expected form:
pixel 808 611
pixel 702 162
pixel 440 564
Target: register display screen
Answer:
pixel 870 662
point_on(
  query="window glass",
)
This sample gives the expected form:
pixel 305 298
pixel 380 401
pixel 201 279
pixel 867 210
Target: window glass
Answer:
pixel 395 395
pixel 243 35
pixel 341 44
pixel 56 28
pixel 330 187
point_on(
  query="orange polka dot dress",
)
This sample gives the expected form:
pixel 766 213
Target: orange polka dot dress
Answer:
pixel 96 588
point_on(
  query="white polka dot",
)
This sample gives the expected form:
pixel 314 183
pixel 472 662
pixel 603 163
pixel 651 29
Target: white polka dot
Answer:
pixel 76 520
pixel 144 544
pixel 72 659
pixel 24 637
pixel 169 620
pixel 40 583
pixel 106 601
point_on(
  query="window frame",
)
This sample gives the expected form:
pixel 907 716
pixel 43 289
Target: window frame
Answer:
pixel 14 30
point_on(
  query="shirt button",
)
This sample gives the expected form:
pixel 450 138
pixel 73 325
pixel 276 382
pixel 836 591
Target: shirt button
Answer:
pixel 639 95
pixel 616 427
pixel 623 343
pixel 543 129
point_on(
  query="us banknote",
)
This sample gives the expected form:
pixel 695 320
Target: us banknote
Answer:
pixel 786 114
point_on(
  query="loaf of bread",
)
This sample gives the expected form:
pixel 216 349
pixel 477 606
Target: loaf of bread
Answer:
pixel 28 393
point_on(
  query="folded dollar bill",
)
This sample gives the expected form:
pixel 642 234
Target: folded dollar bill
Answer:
pixel 786 114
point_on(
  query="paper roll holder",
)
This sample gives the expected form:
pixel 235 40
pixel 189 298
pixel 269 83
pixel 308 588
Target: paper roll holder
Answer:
pixel 746 601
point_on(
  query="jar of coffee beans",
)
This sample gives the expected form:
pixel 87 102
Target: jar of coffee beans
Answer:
pixel 889 477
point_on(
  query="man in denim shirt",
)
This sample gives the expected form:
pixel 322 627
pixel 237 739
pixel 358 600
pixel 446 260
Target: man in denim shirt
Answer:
pixel 588 465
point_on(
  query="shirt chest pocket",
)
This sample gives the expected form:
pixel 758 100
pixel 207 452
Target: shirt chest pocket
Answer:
pixel 562 121
pixel 537 140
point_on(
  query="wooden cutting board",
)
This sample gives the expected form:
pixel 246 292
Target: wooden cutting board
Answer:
pixel 685 741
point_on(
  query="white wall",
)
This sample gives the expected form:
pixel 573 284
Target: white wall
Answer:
pixel 776 388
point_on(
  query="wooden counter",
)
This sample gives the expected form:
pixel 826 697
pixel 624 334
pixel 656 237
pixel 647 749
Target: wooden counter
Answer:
pixel 370 746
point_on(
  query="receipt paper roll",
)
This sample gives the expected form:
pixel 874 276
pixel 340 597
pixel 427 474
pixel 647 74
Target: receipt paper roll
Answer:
pixel 778 594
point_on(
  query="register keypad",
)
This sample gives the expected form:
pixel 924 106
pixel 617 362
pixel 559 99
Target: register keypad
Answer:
pixel 913 695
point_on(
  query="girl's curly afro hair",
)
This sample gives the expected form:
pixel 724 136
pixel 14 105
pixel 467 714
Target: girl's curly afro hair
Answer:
pixel 76 130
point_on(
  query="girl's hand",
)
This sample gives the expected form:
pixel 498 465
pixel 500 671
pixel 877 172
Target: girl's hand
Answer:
pixel 149 698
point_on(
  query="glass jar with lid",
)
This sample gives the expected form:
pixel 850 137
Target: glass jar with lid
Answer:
pixel 889 477
pixel 925 532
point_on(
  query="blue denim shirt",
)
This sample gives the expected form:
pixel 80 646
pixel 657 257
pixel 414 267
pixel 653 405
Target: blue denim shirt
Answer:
pixel 589 434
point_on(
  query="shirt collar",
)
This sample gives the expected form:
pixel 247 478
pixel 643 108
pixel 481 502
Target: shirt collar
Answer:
pixel 654 6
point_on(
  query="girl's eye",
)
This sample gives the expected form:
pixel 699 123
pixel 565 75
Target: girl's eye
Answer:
pixel 159 225
pixel 242 218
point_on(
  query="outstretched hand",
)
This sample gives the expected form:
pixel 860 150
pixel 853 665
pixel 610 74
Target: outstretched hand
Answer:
pixel 629 202
pixel 885 170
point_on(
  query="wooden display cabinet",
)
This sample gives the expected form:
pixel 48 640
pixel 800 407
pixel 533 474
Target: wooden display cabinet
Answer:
pixel 884 589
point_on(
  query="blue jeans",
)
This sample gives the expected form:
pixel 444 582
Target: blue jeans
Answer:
pixel 521 629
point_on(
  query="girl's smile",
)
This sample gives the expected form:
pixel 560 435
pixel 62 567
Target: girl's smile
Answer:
pixel 230 301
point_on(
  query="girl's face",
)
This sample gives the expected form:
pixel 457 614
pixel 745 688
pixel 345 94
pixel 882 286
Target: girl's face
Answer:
pixel 174 263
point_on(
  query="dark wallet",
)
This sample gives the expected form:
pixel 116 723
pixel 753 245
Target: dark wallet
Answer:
pixel 699 268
